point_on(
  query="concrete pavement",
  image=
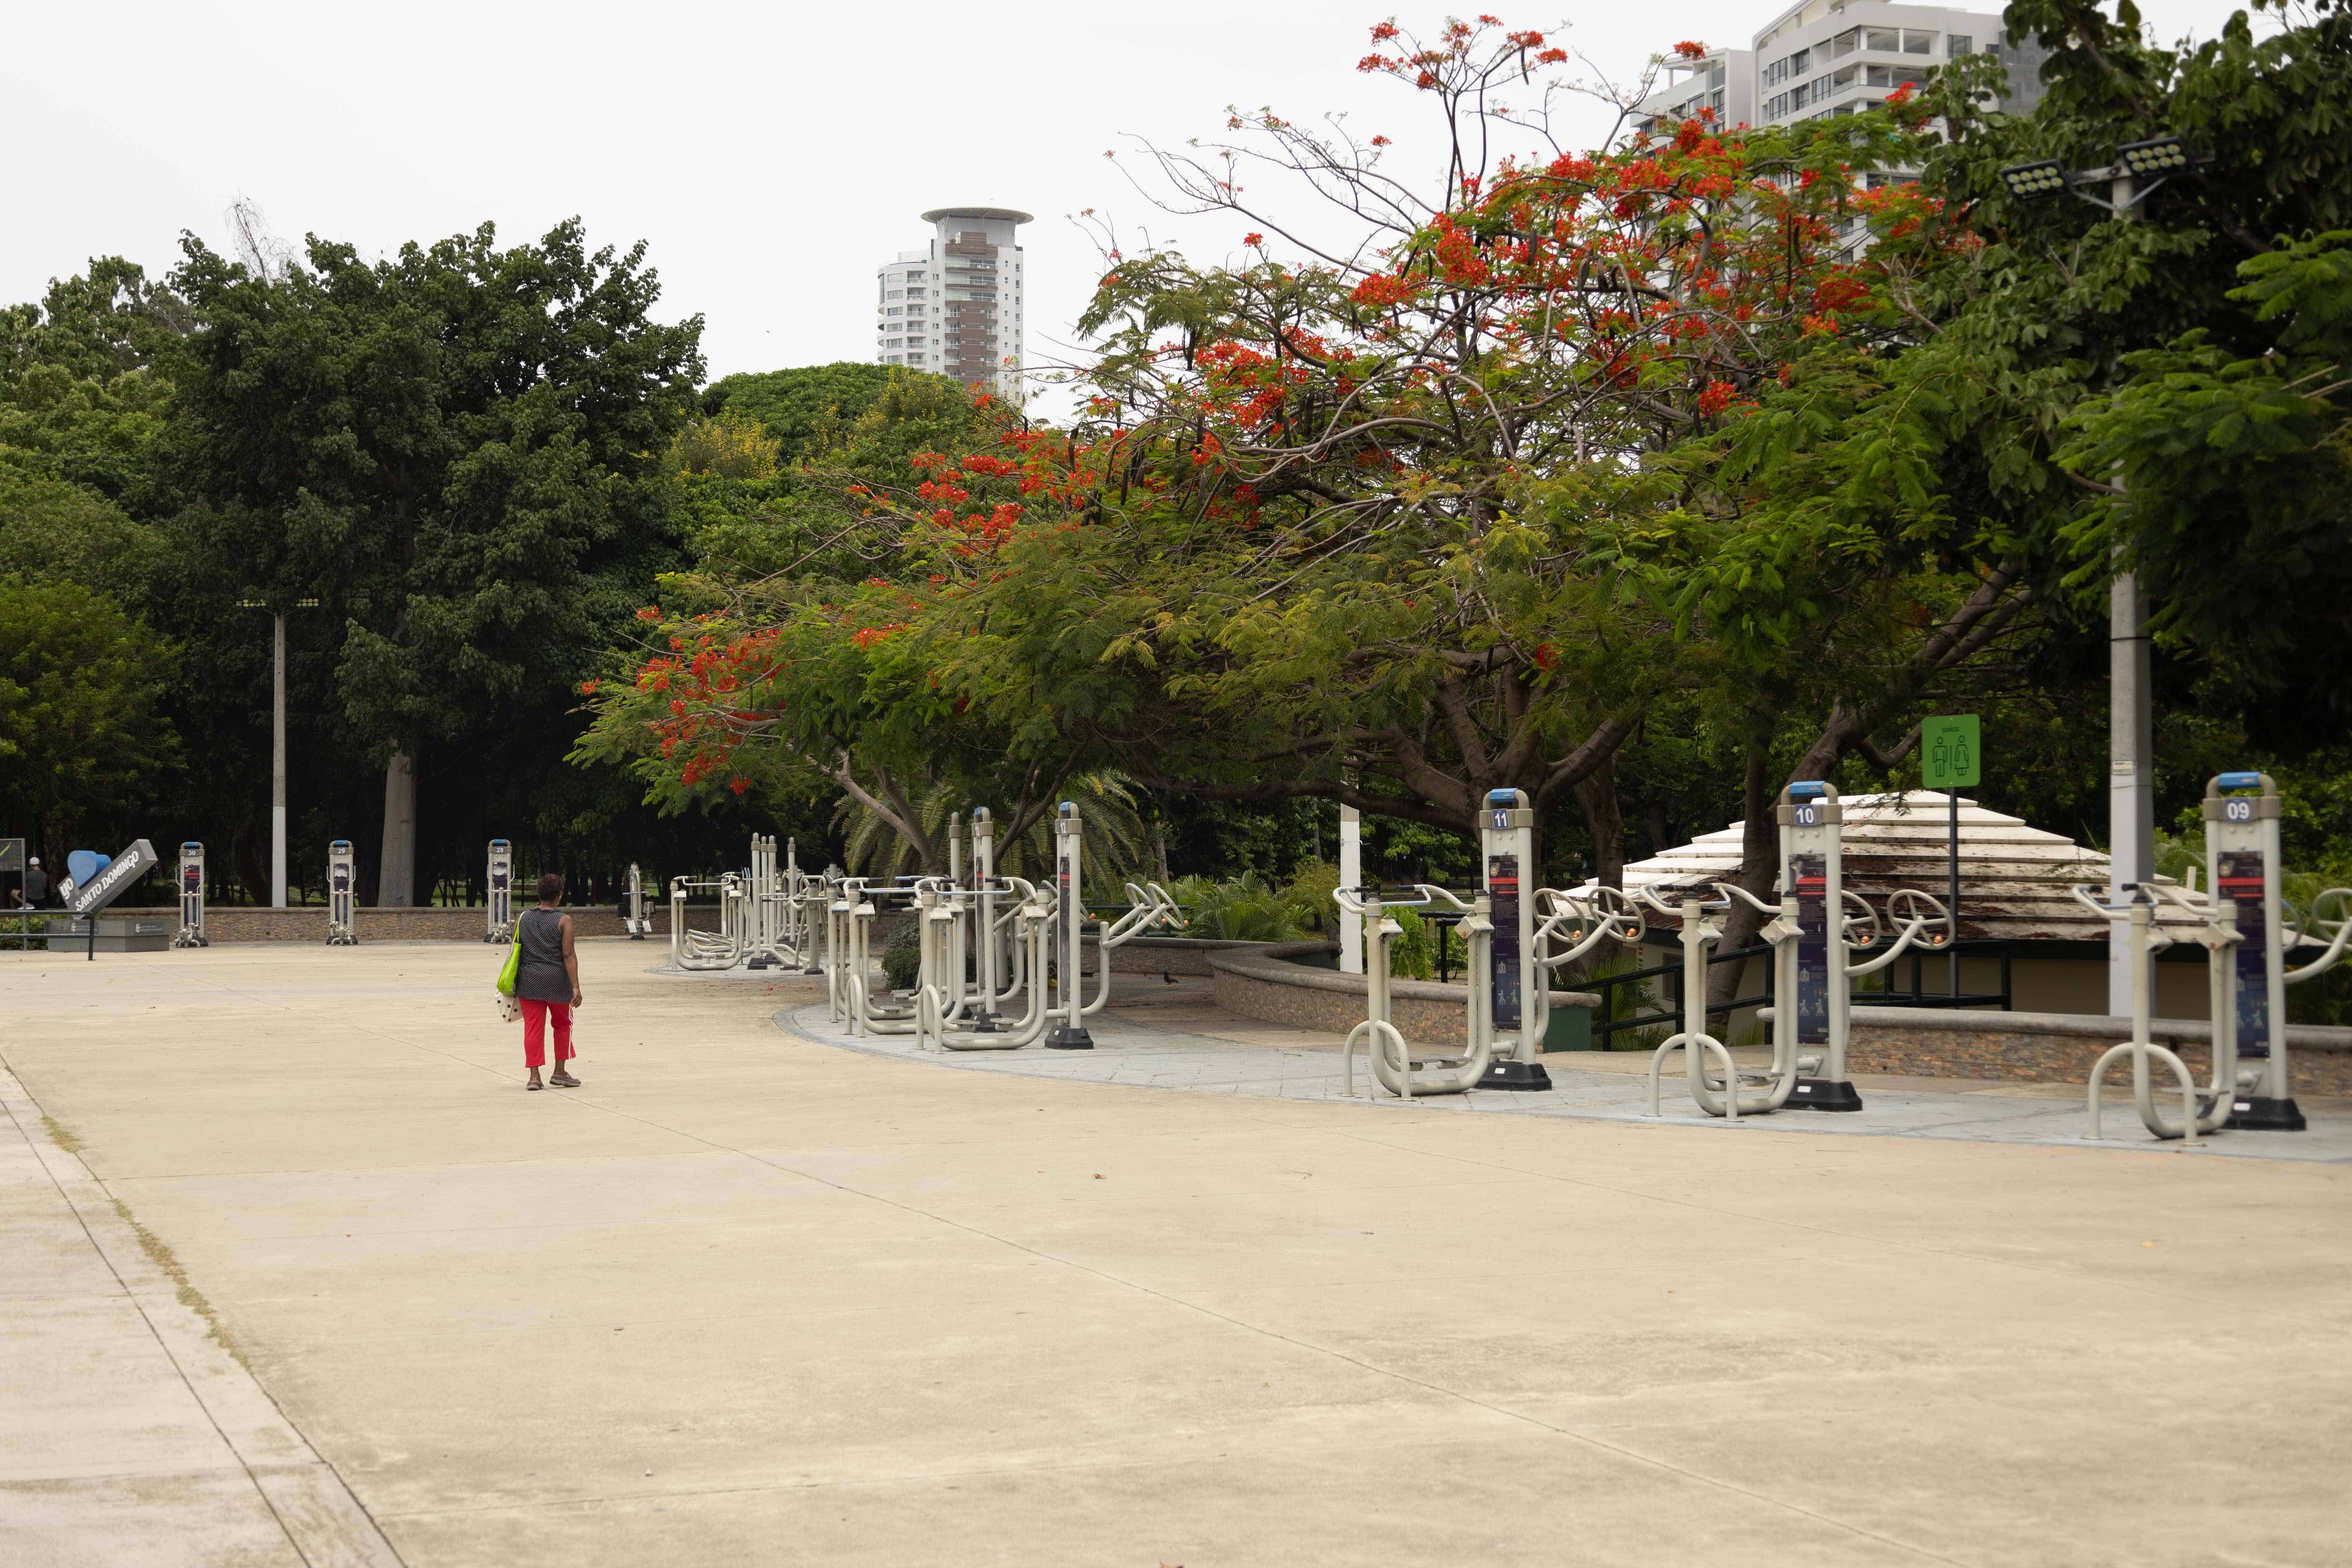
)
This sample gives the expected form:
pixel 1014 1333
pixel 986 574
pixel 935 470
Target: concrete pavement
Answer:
pixel 129 1432
pixel 749 1296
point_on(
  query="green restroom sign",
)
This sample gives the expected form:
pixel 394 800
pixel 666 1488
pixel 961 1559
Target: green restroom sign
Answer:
pixel 1950 754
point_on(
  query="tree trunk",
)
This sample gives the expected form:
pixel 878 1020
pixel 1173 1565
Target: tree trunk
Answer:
pixel 396 871
pixel 1605 819
pixel 252 870
pixel 1759 867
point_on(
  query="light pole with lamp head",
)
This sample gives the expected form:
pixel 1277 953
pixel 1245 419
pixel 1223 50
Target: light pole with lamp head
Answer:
pixel 2139 169
pixel 277 746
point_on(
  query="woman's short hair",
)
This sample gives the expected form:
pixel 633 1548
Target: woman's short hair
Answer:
pixel 550 886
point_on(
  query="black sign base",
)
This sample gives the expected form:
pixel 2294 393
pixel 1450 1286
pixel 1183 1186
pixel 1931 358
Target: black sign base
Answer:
pixel 1526 1076
pixel 1821 1094
pixel 2257 1114
pixel 1062 1037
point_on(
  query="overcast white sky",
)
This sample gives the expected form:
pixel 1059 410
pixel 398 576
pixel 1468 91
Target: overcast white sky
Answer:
pixel 771 154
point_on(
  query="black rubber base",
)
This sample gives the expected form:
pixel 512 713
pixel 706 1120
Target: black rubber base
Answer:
pixel 985 1023
pixel 1821 1094
pixel 1062 1037
pixel 2257 1114
pixel 1527 1076
pixel 762 961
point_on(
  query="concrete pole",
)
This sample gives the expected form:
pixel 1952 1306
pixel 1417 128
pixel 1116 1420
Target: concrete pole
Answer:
pixel 277 772
pixel 1351 875
pixel 2131 745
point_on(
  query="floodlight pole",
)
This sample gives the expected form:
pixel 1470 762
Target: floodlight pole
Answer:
pixel 2140 167
pixel 278 737
pixel 2131 731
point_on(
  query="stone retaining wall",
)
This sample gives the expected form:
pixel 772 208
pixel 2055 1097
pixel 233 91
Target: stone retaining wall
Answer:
pixel 1178 954
pixel 1254 980
pixel 2061 1047
pixel 308 923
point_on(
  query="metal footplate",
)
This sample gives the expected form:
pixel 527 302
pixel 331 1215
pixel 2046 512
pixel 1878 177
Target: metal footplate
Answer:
pixel 1525 1077
pixel 1824 1094
pixel 2261 1113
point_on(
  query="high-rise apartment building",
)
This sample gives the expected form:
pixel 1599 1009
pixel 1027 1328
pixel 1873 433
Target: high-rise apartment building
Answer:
pixel 1825 57
pixel 956 310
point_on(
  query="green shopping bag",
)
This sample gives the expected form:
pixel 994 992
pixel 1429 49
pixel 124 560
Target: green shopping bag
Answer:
pixel 513 966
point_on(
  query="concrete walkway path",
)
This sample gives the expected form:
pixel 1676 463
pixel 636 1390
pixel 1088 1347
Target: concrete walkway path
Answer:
pixel 749 1297
pixel 129 1434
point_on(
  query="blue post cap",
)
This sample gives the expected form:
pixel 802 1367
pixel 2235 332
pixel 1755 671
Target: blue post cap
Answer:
pixel 501 844
pixel 1808 789
pixel 190 844
pixel 980 814
pixel 1067 808
pixel 340 844
pixel 2238 781
pixel 1502 797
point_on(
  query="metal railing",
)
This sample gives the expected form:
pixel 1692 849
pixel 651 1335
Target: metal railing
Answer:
pixel 1607 1025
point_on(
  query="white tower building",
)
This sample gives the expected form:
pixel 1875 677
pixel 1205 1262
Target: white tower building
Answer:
pixel 1819 58
pixel 957 307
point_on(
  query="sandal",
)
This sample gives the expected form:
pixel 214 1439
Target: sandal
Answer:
pixel 564 1080
pixel 534 1087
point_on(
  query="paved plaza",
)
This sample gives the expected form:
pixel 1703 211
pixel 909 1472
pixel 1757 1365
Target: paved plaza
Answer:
pixel 292 1270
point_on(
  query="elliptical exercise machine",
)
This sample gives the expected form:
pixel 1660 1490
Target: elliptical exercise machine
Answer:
pixel 501 895
pixel 191 897
pixel 2247 929
pixel 339 931
pixel 1812 938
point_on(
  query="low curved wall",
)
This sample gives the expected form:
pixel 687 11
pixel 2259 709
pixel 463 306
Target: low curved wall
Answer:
pixel 2061 1048
pixel 1258 983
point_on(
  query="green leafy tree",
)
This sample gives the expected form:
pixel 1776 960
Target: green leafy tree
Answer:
pixel 80 687
pixel 799 405
pixel 458 448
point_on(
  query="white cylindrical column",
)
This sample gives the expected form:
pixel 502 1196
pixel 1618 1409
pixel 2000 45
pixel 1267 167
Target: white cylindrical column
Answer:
pixel 1351 875
pixel 278 772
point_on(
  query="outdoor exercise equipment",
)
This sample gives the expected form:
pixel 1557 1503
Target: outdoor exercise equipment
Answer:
pixel 810 899
pixel 1813 931
pixel 764 906
pixel 634 919
pixel 702 952
pixel 1070 1033
pixel 1507 852
pixel 1701 927
pixel 985 936
pixel 1393 1066
pixel 339 931
pixel 191 897
pixel 2139 905
pixel 502 897
pixel 1584 920
pixel 1814 973
pixel 940 992
pixel 2242 866
pixel 1149 907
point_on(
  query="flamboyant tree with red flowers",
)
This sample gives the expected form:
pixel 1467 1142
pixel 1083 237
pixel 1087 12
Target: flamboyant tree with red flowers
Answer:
pixel 1393 522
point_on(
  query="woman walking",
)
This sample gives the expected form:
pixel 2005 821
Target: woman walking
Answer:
pixel 547 982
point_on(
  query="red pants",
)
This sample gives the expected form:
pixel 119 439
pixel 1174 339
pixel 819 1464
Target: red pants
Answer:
pixel 535 1015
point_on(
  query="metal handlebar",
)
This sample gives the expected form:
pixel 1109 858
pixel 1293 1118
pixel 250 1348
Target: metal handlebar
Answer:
pixel 2335 947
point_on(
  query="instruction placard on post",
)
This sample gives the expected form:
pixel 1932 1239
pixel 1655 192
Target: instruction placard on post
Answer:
pixel 1949 755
